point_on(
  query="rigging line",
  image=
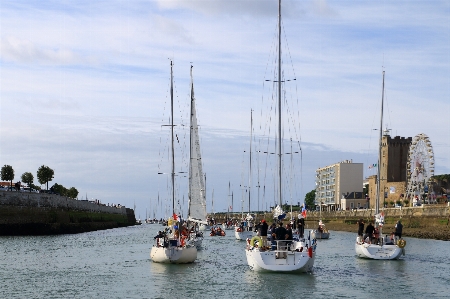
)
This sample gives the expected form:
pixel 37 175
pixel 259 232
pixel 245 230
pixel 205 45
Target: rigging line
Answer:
pixel 288 50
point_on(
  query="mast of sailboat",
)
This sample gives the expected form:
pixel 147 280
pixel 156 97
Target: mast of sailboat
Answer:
pixel 290 176
pixel 190 147
pixel 377 202
pixel 172 133
pixel 250 171
pixel 228 203
pixel 279 103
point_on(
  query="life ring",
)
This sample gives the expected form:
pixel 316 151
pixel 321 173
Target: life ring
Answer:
pixel 239 229
pixel 256 238
pixel 401 243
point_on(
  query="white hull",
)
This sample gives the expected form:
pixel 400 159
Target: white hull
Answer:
pixel 281 260
pixel 243 235
pixel 315 234
pixel 173 255
pixel 378 252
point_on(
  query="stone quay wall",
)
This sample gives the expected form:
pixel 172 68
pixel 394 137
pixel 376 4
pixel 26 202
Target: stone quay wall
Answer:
pixel 426 222
pixel 424 210
pixel 23 213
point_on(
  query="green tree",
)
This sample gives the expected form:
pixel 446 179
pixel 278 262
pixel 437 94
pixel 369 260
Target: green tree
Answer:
pixel 28 178
pixel 72 192
pixel 59 189
pixel 8 173
pixel 45 174
pixel 310 198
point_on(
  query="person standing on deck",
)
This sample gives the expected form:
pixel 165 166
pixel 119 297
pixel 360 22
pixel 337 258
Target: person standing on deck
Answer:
pixel 360 227
pixel 263 228
pixel 301 225
pixel 398 229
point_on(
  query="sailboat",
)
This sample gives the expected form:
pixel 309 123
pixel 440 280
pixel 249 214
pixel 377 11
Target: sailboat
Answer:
pixel 171 246
pixel 281 256
pixel 244 232
pixel 379 248
pixel 197 199
pixel 321 232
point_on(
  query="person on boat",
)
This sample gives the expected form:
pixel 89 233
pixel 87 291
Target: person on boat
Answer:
pixel 360 227
pixel 184 230
pixel 320 228
pixel 263 228
pixel 257 229
pixel 389 240
pixel 288 236
pixel 280 234
pixel 250 226
pixel 159 235
pixel 301 225
pixel 398 229
pixel 293 224
pixel 376 235
pixel 370 229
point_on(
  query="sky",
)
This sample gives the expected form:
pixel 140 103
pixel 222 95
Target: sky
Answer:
pixel 84 90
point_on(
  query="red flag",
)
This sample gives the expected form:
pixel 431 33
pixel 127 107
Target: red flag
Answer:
pixel 175 217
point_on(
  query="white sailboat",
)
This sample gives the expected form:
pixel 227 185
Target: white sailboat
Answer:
pixel 379 248
pixel 197 199
pixel 171 247
pixel 242 232
pixel 281 256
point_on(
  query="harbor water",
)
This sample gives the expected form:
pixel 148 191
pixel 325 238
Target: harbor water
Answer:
pixel 116 264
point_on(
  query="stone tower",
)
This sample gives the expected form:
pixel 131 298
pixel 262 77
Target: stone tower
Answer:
pixel 394 157
pixel 393 162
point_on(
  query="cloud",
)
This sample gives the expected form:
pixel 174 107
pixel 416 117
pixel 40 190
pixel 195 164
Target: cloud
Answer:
pixel 24 51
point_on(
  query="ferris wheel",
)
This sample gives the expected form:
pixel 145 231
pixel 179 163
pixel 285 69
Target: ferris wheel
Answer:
pixel 420 167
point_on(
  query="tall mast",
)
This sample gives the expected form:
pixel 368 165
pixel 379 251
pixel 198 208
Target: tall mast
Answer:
pixel 279 101
pixel 190 146
pixel 250 174
pixel 377 202
pixel 171 128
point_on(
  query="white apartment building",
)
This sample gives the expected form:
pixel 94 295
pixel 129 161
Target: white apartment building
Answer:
pixel 335 181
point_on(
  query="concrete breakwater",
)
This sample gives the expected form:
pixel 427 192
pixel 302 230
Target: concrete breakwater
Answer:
pixel 23 213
